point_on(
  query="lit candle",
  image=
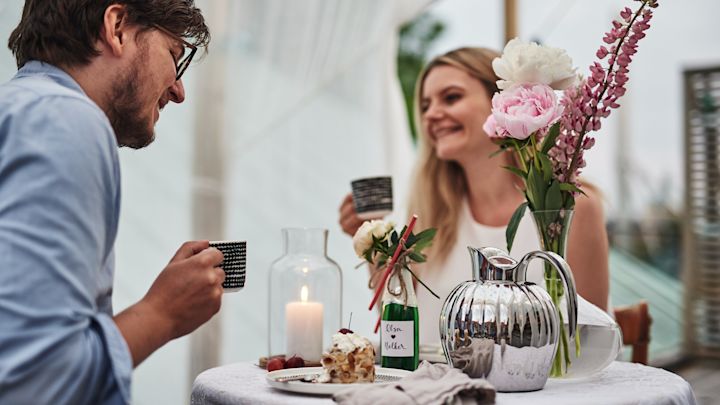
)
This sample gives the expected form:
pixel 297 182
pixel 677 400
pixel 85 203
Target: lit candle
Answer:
pixel 304 327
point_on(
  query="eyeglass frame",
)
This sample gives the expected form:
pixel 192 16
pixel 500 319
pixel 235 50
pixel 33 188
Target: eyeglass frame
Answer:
pixel 182 65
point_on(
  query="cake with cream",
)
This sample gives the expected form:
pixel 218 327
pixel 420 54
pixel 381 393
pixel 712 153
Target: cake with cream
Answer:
pixel 351 359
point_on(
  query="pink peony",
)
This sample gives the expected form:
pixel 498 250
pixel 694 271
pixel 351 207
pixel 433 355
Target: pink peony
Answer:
pixel 490 127
pixel 521 110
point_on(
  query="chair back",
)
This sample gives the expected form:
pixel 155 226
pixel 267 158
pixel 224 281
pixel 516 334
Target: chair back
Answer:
pixel 634 321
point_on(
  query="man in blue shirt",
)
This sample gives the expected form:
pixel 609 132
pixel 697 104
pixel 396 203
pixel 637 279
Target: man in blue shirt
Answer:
pixel 93 75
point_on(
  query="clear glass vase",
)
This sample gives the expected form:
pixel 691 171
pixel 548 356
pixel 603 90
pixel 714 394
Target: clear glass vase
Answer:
pixel 305 296
pixel 598 339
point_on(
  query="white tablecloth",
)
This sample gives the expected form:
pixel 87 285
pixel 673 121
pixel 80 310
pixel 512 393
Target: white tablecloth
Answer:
pixel 620 383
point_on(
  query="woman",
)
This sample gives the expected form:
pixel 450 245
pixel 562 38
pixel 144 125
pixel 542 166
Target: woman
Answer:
pixel 467 194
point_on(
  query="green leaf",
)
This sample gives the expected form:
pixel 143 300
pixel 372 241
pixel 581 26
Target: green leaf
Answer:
pixel 547 167
pixel 536 188
pixel 513 225
pixel 503 146
pixel 424 239
pixel 571 187
pixel 368 255
pixel 412 238
pixel 497 152
pixel 394 238
pixel 517 171
pixel 570 203
pixel 416 257
pixel 549 140
pixel 553 198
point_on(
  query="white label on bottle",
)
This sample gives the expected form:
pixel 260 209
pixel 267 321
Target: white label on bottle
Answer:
pixel 397 338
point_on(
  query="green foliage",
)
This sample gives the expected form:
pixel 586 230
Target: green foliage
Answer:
pixel 383 248
pixel 416 38
pixel 512 227
pixel 549 140
pixel 543 192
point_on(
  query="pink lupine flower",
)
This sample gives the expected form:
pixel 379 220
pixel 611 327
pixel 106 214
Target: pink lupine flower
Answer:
pixel 596 96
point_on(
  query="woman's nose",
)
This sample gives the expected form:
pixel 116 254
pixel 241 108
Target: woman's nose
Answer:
pixel 433 112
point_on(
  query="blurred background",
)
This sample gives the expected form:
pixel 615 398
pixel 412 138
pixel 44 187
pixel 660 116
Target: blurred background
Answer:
pixel 297 98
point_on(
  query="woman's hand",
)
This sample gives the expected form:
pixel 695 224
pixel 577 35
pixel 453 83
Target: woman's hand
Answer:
pixel 349 220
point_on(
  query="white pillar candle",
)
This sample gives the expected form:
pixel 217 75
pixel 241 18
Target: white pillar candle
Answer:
pixel 304 327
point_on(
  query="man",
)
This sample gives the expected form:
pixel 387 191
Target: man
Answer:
pixel 93 75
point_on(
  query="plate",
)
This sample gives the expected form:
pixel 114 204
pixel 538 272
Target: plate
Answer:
pixel 432 353
pixel 382 376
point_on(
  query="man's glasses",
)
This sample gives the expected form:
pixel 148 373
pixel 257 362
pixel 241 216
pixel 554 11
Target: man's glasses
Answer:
pixel 185 58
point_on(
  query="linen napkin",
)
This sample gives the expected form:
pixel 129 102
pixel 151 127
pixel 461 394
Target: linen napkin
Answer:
pixel 429 384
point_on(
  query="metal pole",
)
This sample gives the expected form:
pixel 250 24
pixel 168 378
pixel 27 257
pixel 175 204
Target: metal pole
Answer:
pixel 510 20
pixel 208 176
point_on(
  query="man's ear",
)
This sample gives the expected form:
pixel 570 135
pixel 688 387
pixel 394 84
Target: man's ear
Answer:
pixel 114 32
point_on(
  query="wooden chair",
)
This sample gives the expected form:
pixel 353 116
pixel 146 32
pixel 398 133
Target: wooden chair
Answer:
pixel 634 321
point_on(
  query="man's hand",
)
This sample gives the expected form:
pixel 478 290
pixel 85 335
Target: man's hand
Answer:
pixel 189 290
pixel 186 294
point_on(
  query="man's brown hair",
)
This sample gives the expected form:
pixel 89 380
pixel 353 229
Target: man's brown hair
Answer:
pixel 63 32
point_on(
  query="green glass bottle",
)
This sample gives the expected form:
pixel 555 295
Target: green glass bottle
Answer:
pixel 399 333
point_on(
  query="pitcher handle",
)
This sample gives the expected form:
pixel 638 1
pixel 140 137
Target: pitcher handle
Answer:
pixel 564 270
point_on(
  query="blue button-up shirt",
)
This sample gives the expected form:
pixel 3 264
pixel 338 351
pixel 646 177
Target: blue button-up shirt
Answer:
pixel 59 208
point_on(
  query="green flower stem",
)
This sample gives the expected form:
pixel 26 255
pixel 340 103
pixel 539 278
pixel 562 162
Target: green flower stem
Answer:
pixel 561 361
pixel 533 152
pixel 420 281
pixel 519 151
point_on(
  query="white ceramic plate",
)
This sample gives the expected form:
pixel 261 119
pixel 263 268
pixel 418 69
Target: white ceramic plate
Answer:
pixel 432 353
pixel 382 376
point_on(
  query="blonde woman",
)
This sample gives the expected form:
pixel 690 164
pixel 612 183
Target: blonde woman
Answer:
pixel 467 195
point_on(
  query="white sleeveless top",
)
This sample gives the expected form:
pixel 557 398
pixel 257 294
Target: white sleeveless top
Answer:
pixel 457 267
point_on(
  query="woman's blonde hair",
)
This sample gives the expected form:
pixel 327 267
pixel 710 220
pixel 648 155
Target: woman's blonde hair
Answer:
pixel 439 187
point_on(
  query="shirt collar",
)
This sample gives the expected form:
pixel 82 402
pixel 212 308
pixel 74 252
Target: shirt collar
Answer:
pixel 37 68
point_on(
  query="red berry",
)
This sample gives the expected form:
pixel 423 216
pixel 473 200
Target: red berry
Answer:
pixel 345 331
pixel 295 362
pixel 275 364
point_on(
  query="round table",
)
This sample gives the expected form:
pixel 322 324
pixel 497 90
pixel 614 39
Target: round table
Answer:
pixel 620 383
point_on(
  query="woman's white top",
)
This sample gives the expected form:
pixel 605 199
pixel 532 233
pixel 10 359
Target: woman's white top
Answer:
pixel 457 267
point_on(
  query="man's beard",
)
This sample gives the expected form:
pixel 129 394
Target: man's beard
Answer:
pixel 125 113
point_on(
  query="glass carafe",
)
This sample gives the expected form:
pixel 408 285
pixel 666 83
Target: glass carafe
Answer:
pixel 305 296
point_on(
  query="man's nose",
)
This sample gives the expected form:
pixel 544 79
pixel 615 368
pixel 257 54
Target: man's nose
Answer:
pixel 177 92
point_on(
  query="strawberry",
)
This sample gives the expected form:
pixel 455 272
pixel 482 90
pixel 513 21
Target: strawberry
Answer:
pixel 295 362
pixel 275 364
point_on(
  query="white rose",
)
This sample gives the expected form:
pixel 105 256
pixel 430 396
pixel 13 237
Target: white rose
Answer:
pixel 530 63
pixel 363 238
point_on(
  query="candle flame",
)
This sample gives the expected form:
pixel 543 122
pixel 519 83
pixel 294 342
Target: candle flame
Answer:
pixel 304 293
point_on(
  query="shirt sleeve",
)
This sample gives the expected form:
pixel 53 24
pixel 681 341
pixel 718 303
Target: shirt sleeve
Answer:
pixel 59 204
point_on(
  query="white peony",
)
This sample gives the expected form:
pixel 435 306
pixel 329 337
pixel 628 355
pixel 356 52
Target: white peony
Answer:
pixel 530 63
pixel 363 238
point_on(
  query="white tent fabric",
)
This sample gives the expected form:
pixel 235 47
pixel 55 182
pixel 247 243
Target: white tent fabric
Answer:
pixel 293 101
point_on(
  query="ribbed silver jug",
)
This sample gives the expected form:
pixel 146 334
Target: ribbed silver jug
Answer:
pixel 502 328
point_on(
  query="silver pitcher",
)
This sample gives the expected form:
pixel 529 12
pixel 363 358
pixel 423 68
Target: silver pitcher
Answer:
pixel 501 327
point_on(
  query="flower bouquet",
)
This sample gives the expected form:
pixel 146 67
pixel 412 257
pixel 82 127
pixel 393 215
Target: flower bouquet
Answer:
pixel 549 134
pixel 376 241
